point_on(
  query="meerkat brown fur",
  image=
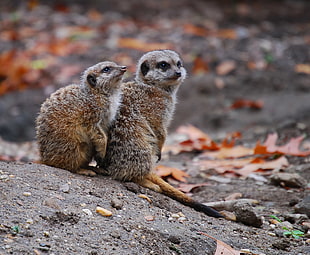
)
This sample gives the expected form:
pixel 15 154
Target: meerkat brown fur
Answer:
pixel 139 131
pixel 73 122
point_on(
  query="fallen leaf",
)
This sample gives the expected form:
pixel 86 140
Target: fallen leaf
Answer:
pixel 226 67
pixel 243 103
pixel 200 65
pixel 192 132
pixel 267 165
pixel 228 152
pixel 176 173
pixel 226 34
pixel 221 247
pixel 136 44
pixel 195 30
pixel 291 148
pixel 186 188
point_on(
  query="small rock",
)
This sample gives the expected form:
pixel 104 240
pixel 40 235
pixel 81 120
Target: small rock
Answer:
pixel 103 212
pixel 181 219
pixel 87 211
pixel 288 179
pixel 149 217
pixel 52 203
pixel 65 188
pixel 245 213
pixel 282 244
pixel 116 203
pixel 133 187
pixel 29 221
pixel 174 239
pixel 303 206
pixel 27 194
pixel 285 224
pixel 295 217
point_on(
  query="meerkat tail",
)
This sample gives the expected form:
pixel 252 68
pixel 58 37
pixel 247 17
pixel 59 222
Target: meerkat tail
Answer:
pixel 175 194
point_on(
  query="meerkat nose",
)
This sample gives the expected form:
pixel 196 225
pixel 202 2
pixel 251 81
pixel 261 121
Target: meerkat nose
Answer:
pixel 178 74
pixel 123 68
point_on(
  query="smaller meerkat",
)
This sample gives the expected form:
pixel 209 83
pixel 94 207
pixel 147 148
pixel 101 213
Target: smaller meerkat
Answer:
pixel 73 122
pixel 138 133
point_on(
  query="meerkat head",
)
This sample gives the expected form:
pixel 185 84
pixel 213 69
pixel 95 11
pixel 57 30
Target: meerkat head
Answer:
pixel 162 68
pixel 104 76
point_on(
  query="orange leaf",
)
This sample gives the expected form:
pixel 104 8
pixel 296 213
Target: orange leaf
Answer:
pixel 176 173
pixel 200 66
pixel 192 132
pixel 226 34
pixel 291 148
pixel 136 44
pixel 265 165
pixel 242 103
pixel 195 30
pixel 226 152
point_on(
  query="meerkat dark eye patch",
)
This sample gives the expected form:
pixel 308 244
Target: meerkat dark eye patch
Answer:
pixel 106 69
pixel 163 65
pixel 144 68
pixel 179 64
pixel 91 79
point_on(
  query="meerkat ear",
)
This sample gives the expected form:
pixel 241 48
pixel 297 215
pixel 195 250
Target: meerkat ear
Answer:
pixel 91 79
pixel 144 68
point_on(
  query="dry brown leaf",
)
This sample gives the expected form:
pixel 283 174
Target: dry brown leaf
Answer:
pixel 225 153
pixel 192 132
pixel 221 247
pixel 223 165
pixel 195 30
pixel 200 65
pixel 290 148
pixel 243 103
pixel 226 34
pixel 267 165
pixel 176 173
pixel 136 44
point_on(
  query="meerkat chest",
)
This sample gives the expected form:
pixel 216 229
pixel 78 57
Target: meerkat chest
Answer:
pixel 115 101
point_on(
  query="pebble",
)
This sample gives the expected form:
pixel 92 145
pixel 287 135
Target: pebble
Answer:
pixel 293 180
pixel 52 203
pixel 295 217
pixel 117 203
pixel 246 214
pixel 29 221
pixel 27 194
pixel 103 212
pixel 303 206
pixel 65 188
pixel 87 212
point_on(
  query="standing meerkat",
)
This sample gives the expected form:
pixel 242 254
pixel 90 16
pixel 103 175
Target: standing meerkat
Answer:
pixel 73 122
pixel 138 133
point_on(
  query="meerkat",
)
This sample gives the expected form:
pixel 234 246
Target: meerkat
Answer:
pixel 138 133
pixel 73 122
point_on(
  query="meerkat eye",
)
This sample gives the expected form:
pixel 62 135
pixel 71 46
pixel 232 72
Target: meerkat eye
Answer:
pixel 106 69
pixel 179 64
pixel 163 65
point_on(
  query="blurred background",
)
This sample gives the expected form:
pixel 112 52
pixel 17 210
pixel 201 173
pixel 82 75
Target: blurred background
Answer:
pixel 248 62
